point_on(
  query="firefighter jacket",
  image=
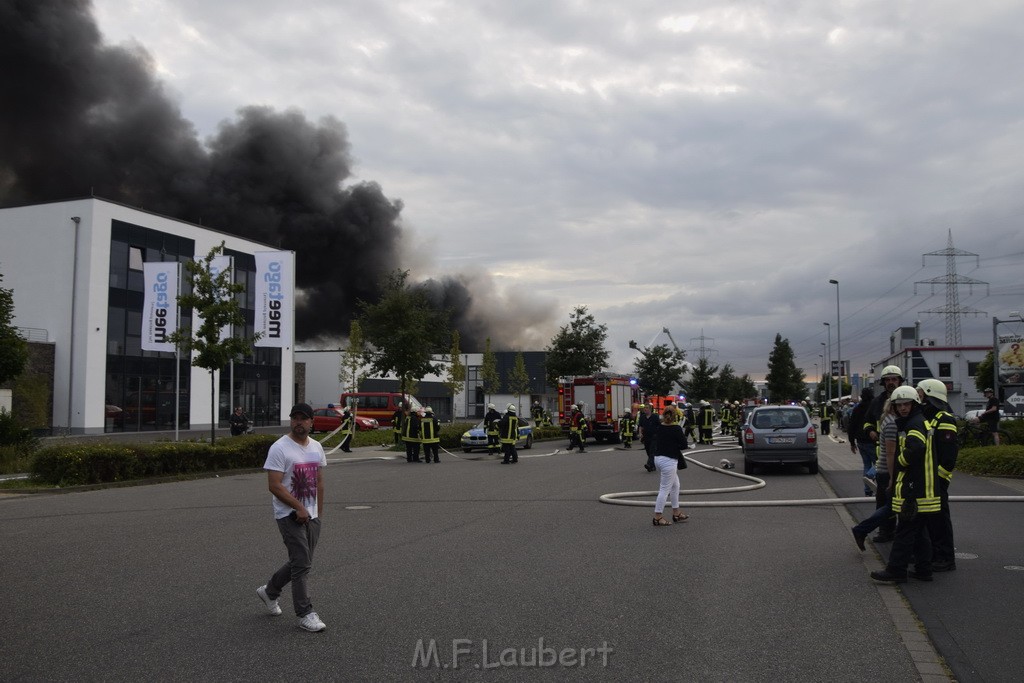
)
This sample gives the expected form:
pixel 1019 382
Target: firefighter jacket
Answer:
pixel 626 426
pixel 726 414
pixel 430 429
pixel 915 468
pixel 825 412
pixel 942 441
pixel 411 428
pixel 491 422
pixel 508 428
pixel 578 424
pixel 346 423
pixel 707 417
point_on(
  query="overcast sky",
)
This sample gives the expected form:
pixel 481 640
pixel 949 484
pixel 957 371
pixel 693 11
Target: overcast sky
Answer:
pixel 705 167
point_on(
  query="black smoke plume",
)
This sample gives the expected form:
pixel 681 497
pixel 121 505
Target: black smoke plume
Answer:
pixel 83 118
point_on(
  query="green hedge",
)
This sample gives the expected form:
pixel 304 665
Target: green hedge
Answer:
pixel 999 461
pixel 76 465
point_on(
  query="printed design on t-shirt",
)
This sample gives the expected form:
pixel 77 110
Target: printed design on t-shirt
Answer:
pixel 304 481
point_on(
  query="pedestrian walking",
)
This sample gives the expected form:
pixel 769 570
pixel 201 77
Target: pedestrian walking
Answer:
pixel 670 444
pixel 882 518
pixel 577 429
pixel 296 483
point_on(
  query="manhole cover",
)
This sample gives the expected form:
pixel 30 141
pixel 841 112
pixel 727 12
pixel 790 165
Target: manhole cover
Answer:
pixel 965 556
pixel 358 507
pixel 1014 567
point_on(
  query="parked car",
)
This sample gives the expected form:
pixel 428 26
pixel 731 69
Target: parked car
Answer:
pixel 779 435
pixel 329 419
pixel 973 415
pixel 476 438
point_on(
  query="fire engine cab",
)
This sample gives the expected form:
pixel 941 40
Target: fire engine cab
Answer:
pixel 602 397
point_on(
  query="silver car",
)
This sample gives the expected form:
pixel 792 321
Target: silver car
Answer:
pixel 775 435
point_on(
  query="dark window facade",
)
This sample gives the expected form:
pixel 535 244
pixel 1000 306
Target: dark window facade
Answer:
pixel 140 385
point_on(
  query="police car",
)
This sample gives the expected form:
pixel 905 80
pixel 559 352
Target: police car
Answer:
pixel 476 438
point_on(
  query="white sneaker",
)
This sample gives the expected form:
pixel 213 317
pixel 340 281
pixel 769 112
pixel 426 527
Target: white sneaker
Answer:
pixel 272 607
pixel 311 622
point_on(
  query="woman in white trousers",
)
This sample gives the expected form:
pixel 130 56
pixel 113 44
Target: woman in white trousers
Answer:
pixel 670 444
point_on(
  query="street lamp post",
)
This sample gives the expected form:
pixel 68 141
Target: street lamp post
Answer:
pixel 817 396
pixel 828 361
pixel 839 342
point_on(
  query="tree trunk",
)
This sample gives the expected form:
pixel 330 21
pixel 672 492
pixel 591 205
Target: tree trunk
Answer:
pixel 213 412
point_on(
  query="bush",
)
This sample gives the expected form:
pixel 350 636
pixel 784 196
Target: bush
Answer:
pixel 1004 461
pixel 79 464
pixel 13 434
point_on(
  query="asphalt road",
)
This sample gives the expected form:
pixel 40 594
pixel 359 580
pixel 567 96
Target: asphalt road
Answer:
pixel 505 569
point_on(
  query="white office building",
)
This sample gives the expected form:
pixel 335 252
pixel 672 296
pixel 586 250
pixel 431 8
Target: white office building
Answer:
pixel 76 270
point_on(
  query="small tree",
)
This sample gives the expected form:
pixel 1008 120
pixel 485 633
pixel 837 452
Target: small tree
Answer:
pixel 405 331
pixel 578 348
pixel 726 384
pixel 702 384
pixel 658 368
pixel 489 371
pixel 213 299
pixel 13 349
pixel 455 379
pixel 983 377
pixel 353 359
pixel 519 380
pixel 785 381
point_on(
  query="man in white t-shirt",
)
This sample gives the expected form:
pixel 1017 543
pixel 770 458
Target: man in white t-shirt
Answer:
pixel 293 477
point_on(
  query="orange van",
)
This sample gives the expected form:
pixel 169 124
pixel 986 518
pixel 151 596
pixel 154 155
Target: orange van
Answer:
pixel 380 405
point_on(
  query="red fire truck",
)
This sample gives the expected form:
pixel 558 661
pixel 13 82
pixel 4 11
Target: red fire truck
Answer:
pixel 602 397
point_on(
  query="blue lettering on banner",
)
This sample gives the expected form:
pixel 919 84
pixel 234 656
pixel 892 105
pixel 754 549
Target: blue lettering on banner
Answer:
pixel 163 303
pixel 275 294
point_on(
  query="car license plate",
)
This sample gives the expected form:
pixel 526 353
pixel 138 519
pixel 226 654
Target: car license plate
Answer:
pixel 781 439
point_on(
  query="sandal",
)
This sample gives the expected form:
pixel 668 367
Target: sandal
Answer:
pixel 661 521
pixel 680 517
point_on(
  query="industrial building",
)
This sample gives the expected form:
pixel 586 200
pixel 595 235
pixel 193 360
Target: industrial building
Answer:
pixel 76 269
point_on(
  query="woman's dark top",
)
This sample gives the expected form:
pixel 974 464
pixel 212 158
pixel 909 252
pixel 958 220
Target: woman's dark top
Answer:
pixel 670 441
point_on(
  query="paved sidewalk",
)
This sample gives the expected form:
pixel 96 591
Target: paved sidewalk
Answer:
pixel 974 615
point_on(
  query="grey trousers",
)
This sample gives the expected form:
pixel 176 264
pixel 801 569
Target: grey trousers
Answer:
pixel 300 540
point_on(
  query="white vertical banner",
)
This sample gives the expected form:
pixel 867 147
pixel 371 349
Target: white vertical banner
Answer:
pixel 275 298
pixel 160 305
pixel 218 264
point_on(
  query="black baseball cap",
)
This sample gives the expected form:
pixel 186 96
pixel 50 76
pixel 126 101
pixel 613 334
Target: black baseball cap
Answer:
pixel 301 408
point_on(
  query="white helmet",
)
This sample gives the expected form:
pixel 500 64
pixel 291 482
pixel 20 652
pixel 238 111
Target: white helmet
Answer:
pixel 892 371
pixel 511 407
pixel 933 388
pixel 490 406
pixel 573 407
pixel 902 394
